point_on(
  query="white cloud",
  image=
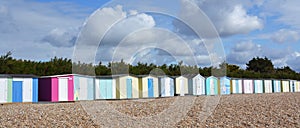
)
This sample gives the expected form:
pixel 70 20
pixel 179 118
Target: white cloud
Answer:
pixel 238 22
pixel 294 60
pixel 242 52
pixel 158 46
pixel 229 17
pixel 61 37
pixel 285 36
pixel 279 57
pixel 128 25
pixel 285 11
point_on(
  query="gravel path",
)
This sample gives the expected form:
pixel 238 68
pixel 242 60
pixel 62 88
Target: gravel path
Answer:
pixel 246 110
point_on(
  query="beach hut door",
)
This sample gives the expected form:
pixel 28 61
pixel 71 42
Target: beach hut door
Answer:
pixel 212 87
pixel 236 87
pixel 293 87
pixel 181 88
pixel 83 88
pixel 17 91
pixel 198 87
pixel 167 87
pixel 129 88
pixel 150 87
pixel 162 87
pixel 63 89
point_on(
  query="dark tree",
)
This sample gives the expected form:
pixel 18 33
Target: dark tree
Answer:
pixel 261 65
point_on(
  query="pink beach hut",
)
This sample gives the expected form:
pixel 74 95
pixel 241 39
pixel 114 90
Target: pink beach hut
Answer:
pixel 56 88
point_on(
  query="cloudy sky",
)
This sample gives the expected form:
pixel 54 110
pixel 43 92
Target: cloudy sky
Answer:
pixel 41 29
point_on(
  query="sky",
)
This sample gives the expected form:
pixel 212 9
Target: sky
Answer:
pixel 41 29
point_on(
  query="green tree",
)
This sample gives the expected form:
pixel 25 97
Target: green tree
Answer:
pixel 261 65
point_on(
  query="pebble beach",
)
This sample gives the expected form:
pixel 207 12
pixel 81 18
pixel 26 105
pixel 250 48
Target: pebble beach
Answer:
pixel 239 110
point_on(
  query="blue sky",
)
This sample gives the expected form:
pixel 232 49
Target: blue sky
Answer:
pixel 41 29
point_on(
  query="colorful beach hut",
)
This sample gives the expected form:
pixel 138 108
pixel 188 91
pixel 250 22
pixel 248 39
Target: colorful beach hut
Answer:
pixel 276 86
pixel 18 88
pixel 297 86
pixel 68 87
pixel 212 86
pixel 196 84
pixel 236 86
pixel 105 87
pixel 285 85
pixel 225 85
pixel 148 86
pixel 166 86
pixel 292 85
pixel 268 86
pixel 181 85
pixel 248 87
pixel 127 86
pixel 258 86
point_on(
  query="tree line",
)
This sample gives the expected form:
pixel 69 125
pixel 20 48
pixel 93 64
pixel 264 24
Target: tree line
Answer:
pixel 256 68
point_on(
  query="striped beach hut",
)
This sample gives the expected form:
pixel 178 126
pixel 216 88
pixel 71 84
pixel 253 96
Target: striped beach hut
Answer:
pixel 196 85
pixel 248 87
pixel 225 85
pixel 18 88
pixel 297 86
pixel 127 86
pixel 268 86
pixel 292 85
pixel 212 86
pixel 105 87
pixel 285 85
pixel 84 87
pixel 166 86
pixel 258 86
pixel 148 86
pixel 68 87
pixel 181 85
pixel 276 86
pixel 236 86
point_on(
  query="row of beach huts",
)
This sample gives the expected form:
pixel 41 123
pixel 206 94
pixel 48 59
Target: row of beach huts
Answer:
pixel 74 87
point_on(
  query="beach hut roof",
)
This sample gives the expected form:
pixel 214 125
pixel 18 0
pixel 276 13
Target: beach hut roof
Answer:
pixel 212 77
pixel 66 75
pixel 174 77
pixel 122 75
pixel 106 77
pixel 114 76
pixel 190 76
pixel 142 76
pixel 18 75
pixel 224 77
pixel 234 78
pixel 165 76
pixel 4 75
